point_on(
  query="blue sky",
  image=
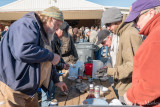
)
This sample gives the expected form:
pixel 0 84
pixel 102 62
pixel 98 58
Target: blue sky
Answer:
pixel 120 3
pixel 4 2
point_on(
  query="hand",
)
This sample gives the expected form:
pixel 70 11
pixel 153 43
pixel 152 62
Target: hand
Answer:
pixel 66 66
pixel 126 100
pixel 56 59
pixel 104 67
pixel 62 86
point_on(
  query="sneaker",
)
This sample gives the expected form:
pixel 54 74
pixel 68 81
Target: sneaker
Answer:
pixel 54 102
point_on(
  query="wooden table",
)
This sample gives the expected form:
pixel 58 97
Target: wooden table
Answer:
pixel 75 97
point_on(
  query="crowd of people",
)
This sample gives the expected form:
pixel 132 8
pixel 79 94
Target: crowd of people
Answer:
pixel 3 32
pixel 40 44
pixel 84 34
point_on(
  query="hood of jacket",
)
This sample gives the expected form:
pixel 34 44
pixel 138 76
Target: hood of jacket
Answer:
pixel 122 27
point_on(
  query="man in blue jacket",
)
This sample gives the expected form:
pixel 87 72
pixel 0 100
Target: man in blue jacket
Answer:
pixel 26 58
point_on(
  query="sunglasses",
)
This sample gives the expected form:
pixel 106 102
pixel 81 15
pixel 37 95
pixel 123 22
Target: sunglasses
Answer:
pixel 108 24
pixel 136 20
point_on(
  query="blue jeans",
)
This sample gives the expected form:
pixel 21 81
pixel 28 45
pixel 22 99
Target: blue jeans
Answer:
pixel 48 96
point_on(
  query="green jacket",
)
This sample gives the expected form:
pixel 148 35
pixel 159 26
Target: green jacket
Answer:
pixel 129 42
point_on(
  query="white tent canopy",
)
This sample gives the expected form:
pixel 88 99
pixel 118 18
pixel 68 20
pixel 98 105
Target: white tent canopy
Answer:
pixel 38 5
pixel 72 9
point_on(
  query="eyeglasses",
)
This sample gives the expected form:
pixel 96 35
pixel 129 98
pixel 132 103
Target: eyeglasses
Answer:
pixel 136 20
pixel 103 42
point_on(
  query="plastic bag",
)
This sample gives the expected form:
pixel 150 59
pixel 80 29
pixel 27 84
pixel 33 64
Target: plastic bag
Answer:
pixel 80 64
pixel 73 70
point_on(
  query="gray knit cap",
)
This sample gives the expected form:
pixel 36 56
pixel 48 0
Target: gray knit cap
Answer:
pixel 53 12
pixel 111 15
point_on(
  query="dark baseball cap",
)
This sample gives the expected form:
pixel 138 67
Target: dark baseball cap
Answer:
pixel 139 6
pixel 65 27
pixel 102 35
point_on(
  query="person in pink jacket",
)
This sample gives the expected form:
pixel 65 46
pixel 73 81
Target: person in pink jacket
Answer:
pixel 145 88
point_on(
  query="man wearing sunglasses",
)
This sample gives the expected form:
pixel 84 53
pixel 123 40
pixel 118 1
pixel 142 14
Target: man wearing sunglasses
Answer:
pixel 129 42
pixel 145 89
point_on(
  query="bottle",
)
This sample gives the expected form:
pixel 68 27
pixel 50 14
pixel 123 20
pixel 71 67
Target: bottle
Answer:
pixel 97 91
pixel 91 92
pixel 80 72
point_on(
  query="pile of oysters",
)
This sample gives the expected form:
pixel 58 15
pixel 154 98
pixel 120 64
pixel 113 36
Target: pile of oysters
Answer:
pixel 82 86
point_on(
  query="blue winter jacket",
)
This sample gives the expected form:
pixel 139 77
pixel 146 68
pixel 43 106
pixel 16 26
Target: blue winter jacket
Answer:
pixel 21 55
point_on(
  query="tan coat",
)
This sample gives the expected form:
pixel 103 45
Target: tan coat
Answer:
pixel 129 42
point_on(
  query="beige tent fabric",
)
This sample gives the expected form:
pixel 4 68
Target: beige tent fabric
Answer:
pixel 11 15
pixel 68 15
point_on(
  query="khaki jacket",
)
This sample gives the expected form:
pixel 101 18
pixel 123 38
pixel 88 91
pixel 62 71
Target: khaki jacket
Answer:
pixel 129 42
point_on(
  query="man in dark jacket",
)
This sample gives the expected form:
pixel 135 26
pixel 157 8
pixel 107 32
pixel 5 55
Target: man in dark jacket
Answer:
pixel 57 43
pixel 26 58
pixel 56 46
pixel 69 52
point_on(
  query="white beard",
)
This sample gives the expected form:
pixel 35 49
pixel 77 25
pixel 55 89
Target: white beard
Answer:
pixel 50 34
pixel 50 37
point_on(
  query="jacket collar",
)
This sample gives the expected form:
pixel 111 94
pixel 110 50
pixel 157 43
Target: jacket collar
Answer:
pixel 151 25
pixel 40 25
